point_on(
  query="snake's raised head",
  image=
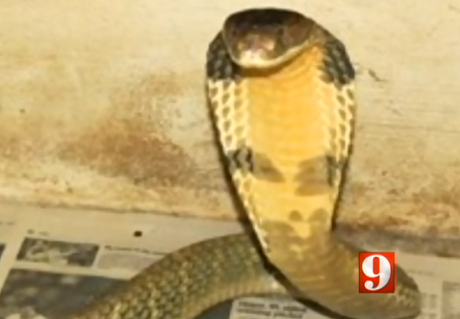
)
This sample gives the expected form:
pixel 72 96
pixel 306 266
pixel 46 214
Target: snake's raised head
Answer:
pixel 267 37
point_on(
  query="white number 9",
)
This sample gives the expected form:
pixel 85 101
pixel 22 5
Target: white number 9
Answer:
pixel 384 273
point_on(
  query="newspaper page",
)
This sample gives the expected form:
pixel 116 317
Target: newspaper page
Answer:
pixel 54 262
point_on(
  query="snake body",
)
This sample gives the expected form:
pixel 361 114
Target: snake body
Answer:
pixel 281 88
pixel 185 283
pixel 281 93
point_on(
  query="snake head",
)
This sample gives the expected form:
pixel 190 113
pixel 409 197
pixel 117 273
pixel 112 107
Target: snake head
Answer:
pixel 266 37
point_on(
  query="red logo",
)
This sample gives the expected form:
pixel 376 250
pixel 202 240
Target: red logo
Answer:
pixel 377 272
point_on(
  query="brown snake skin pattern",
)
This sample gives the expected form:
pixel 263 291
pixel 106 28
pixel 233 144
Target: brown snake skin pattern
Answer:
pixel 286 132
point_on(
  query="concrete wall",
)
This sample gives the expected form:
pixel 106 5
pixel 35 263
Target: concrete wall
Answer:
pixel 102 104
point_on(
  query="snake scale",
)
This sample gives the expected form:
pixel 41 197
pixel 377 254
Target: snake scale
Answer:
pixel 281 93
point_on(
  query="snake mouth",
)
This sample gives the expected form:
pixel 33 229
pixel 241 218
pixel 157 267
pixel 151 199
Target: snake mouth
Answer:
pixel 256 51
pixel 262 59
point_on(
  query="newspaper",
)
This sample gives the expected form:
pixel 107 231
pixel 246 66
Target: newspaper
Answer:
pixel 53 262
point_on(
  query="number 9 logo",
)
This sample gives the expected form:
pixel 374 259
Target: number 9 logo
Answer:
pixel 385 274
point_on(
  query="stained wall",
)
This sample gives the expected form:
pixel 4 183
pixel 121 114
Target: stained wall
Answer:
pixel 102 105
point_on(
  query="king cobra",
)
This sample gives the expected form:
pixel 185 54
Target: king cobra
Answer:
pixel 280 87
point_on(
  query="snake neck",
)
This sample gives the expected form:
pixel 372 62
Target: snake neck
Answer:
pixel 285 132
pixel 289 119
